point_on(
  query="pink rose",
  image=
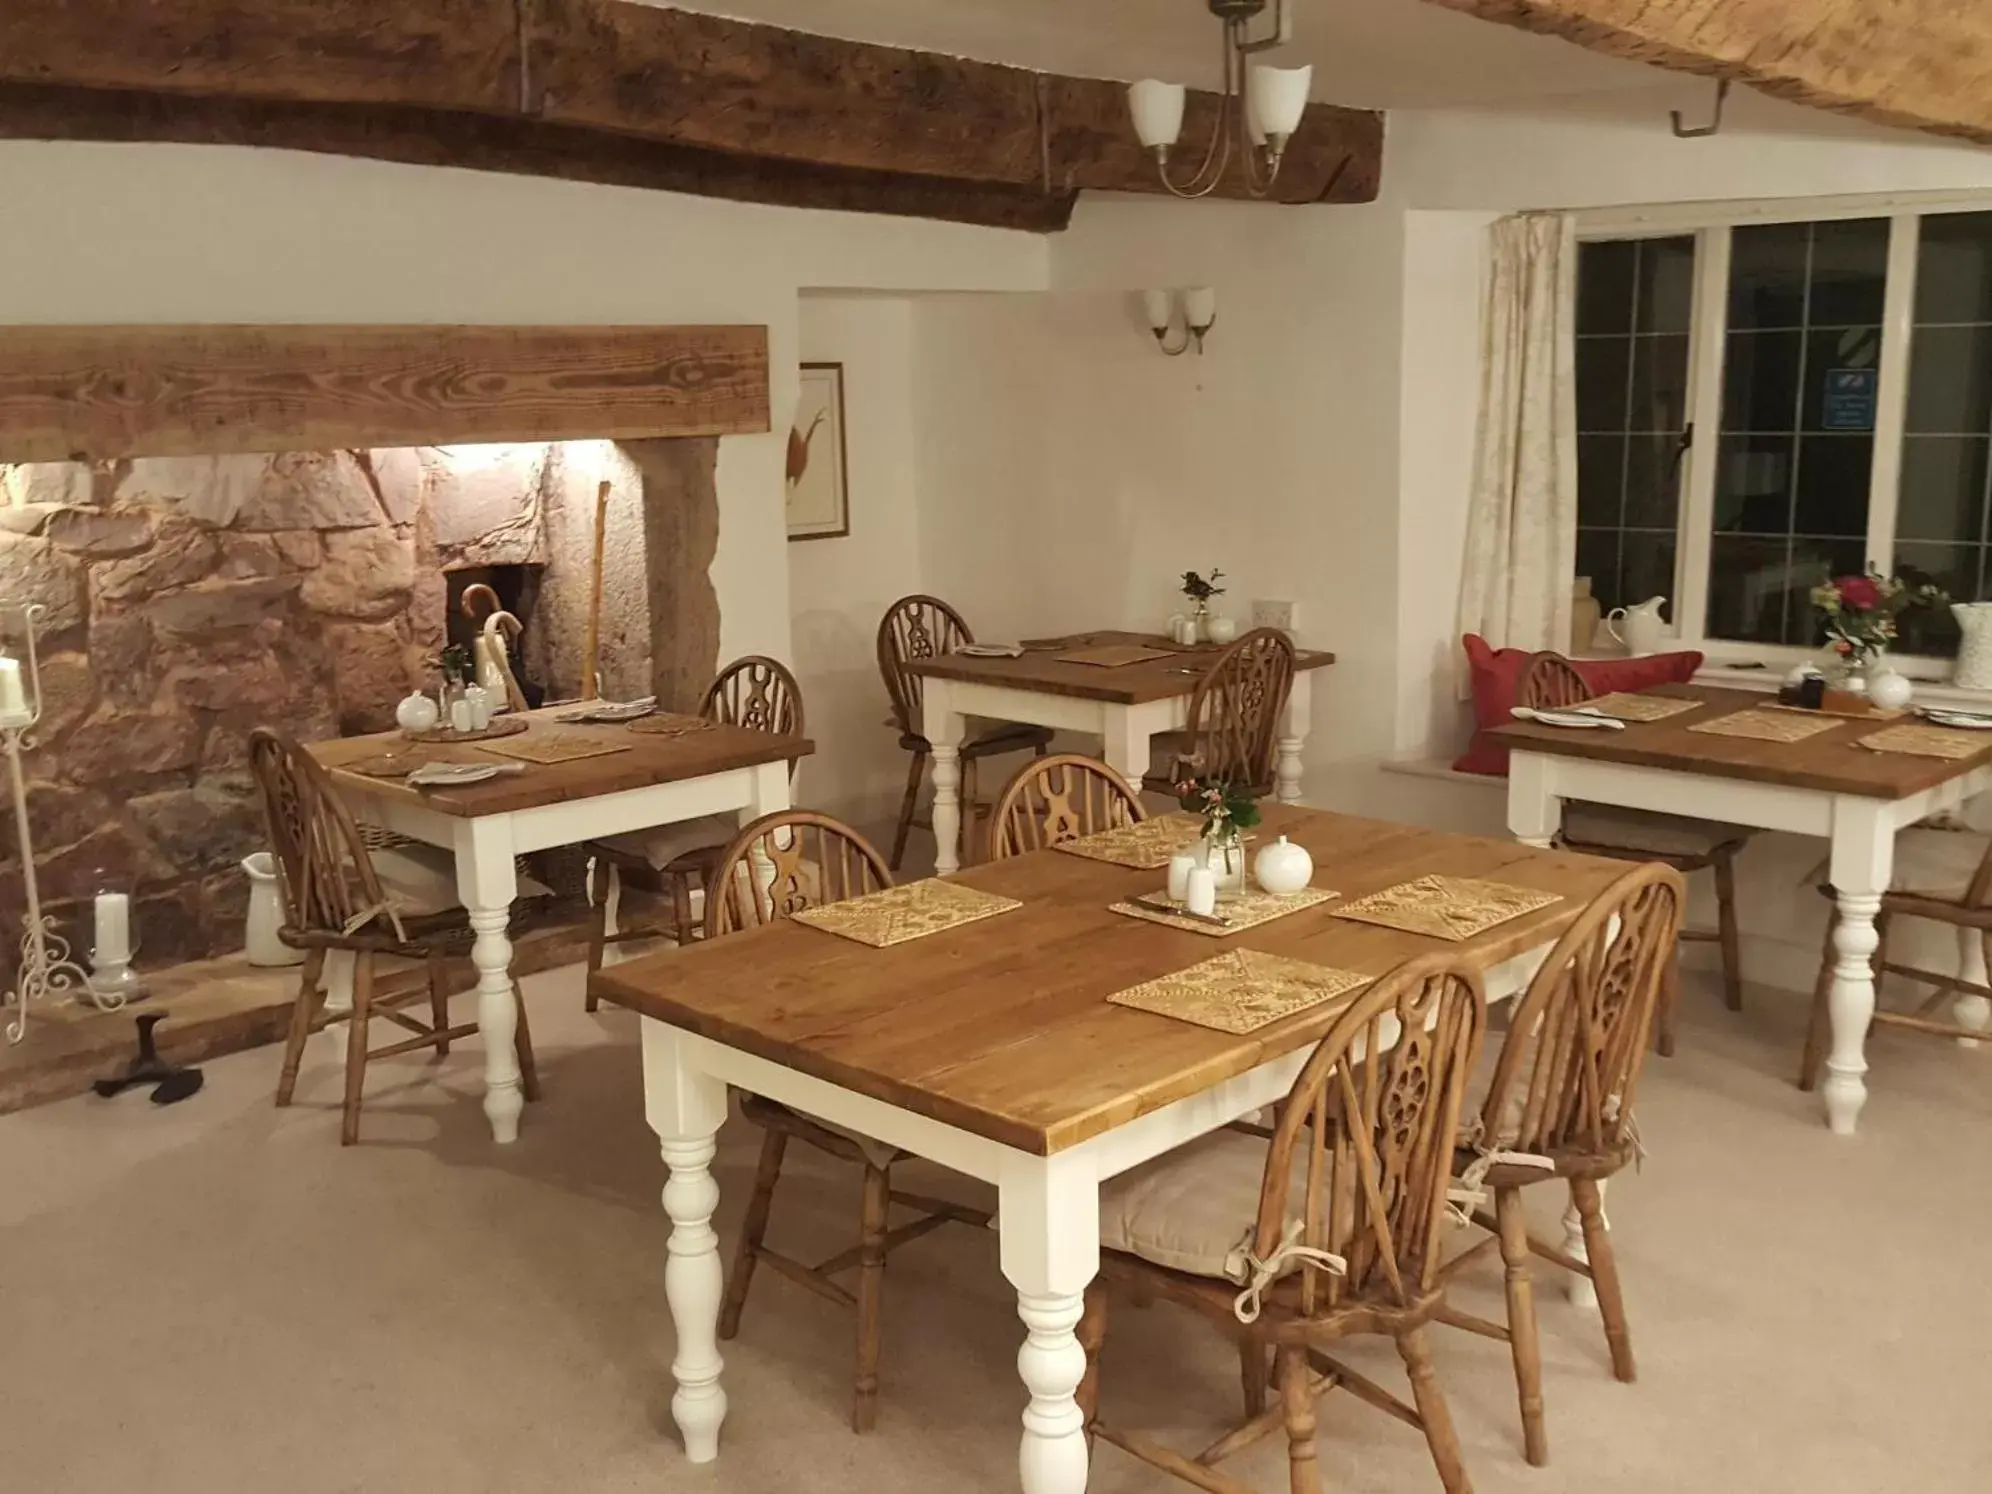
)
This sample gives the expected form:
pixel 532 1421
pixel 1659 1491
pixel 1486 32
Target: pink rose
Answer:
pixel 1858 593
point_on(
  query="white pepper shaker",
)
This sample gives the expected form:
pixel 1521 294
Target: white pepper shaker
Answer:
pixel 1180 866
pixel 1200 891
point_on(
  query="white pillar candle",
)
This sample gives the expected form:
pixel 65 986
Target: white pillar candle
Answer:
pixel 113 929
pixel 13 699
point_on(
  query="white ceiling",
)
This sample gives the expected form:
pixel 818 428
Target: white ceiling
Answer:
pixel 1369 53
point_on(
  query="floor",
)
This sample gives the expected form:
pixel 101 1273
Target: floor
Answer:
pixel 216 1296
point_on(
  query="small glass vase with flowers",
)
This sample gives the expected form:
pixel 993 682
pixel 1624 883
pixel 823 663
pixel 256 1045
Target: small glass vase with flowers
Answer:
pixel 1859 615
pixel 1228 810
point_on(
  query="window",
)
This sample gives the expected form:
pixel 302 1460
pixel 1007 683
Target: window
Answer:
pixel 1765 404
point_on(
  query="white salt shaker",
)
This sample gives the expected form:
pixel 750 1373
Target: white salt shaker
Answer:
pixel 1200 891
pixel 1180 866
pixel 460 716
pixel 480 706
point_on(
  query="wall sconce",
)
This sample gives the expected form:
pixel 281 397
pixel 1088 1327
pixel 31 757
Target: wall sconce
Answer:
pixel 1199 307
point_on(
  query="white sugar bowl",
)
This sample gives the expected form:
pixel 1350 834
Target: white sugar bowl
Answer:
pixel 417 712
pixel 1283 867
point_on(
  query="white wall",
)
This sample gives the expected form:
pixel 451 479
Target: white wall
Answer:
pixel 205 234
pixel 839 588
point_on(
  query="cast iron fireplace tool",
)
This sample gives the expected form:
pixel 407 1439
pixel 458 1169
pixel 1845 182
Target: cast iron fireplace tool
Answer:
pixel 170 1084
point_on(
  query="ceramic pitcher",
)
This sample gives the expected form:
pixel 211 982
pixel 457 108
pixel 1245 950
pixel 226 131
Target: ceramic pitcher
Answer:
pixel 1974 649
pixel 1640 628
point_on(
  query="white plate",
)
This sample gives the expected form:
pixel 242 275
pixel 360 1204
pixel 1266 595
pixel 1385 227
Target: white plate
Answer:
pixel 991 650
pixel 613 711
pixel 1584 719
pixel 1961 720
pixel 451 775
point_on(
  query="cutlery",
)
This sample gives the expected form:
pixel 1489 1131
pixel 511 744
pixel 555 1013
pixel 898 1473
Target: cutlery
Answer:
pixel 1566 718
pixel 1174 910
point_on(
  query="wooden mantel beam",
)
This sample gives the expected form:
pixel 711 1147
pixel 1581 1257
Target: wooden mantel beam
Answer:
pixel 611 90
pixel 1922 64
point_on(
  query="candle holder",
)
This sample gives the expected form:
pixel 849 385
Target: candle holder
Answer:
pixel 46 966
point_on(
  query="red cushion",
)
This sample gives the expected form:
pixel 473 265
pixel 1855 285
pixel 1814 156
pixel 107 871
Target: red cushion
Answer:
pixel 1497 677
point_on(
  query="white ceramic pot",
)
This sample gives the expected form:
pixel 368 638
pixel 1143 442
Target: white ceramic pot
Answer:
pixel 417 712
pixel 1888 689
pixel 1219 629
pixel 266 915
pixel 1283 867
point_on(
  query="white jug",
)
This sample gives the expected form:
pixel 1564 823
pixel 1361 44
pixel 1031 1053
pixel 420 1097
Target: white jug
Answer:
pixel 266 914
pixel 1645 630
pixel 1974 649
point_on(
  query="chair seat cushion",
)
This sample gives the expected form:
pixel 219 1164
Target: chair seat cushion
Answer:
pixel 1507 1126
pixel 1195 1209
pixel 1497 676
pixel 660 845
pixel 420 881
pixel 987 738
pixel 1168 752
pixel 1613 828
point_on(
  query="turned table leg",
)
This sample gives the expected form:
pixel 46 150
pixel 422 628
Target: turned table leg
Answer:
pixel 1050 1218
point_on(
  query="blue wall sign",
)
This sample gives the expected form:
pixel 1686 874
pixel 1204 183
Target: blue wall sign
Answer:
pixel 1850 399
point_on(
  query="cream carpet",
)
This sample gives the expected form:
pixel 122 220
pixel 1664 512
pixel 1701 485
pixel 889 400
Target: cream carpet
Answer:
pixel 217 1297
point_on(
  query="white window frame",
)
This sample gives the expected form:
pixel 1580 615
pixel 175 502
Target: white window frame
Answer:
pixel 1711 224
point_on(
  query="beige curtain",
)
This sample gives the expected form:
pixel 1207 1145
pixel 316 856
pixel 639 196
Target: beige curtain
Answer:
pixel 1521 532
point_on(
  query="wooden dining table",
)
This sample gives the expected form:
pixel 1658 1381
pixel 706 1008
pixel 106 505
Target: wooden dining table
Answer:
pixel 1122 704
pixel 1827 785
pixel 992 1049
pixel 646 780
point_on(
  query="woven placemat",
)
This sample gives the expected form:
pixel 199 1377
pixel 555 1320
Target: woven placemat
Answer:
pixel 1113 655
pixel 1446 907
pixel 1241 990
pixel 1768 725
pixel 667 724
pixel 556 747
pixel 1621 705
pixel 1247 911
pixel 1146 846
pixel 1928 741
pixel 501 726
pixel 899 915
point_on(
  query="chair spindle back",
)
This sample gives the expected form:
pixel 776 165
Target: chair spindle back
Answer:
pixel 786 862
pixel 1060 798
pixel 1551 681
pixel 1378 1106
pixel 915 627
pixel 324 871
pixel 1234 716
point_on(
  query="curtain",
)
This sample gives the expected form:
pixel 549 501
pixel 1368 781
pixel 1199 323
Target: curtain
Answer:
pixel 1521 530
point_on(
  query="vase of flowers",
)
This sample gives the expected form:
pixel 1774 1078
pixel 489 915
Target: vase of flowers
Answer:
pixel 1859 615
pixel 1227 811
pixel 1200 589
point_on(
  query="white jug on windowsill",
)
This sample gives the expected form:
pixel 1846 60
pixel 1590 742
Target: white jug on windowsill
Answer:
pixel 1640 629
pixel 1974 649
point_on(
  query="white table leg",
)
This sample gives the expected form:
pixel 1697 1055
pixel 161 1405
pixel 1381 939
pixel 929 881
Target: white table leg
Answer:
pixel 1582 1292
pixel 1971 1011
pixel 1050 1215
pixel 1299 717
pixel 1863 861
pixel 1535 810
pixel 1124 738
pixel 686 1109
pixel 944 727
pixel 487 885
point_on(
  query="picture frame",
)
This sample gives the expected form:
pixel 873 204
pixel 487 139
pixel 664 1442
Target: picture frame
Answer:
pixel 818 469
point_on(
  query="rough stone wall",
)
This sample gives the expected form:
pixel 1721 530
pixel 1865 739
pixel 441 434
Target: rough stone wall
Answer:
pixel 192 599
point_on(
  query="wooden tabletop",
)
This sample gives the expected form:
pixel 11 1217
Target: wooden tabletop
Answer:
pixel 1828 761
pixel 1040 669
pixel 1003 1027
pixel 647 759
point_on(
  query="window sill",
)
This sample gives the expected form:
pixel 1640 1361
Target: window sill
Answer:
pixel 1928 692
pixel 1441 768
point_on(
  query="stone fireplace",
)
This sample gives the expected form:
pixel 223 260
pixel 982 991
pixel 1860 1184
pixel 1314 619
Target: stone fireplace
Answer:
pixel 192 598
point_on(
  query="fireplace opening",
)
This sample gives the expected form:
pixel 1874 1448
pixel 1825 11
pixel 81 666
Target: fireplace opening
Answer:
pixel 473 593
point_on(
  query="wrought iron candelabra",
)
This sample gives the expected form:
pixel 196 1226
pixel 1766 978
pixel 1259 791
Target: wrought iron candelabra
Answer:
pixel 46 967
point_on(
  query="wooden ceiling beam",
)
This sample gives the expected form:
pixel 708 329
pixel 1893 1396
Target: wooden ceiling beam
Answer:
pixel 609 90
pixel 1921 64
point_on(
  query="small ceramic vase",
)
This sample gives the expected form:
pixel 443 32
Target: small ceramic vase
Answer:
pixel 417 712
pixel 1283 867
pixel 1218 629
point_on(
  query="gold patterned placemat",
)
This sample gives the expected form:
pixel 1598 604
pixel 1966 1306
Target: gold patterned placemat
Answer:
pixel 912 911
pixel 1865 712
pixel 1112 655
pixel 501 726
pixel 1928 741
pixel 556 747
pixel 1254 907
pixel 1621 705
pixel 1241 990
pixel 1764 725
pixel 1446 907
pixel 1146 846
pixel 668 724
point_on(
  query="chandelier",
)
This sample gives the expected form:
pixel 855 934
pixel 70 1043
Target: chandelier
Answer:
pixel 1259 110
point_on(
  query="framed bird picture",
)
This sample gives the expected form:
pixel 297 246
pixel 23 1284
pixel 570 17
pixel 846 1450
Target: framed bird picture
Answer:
pixel 819 497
